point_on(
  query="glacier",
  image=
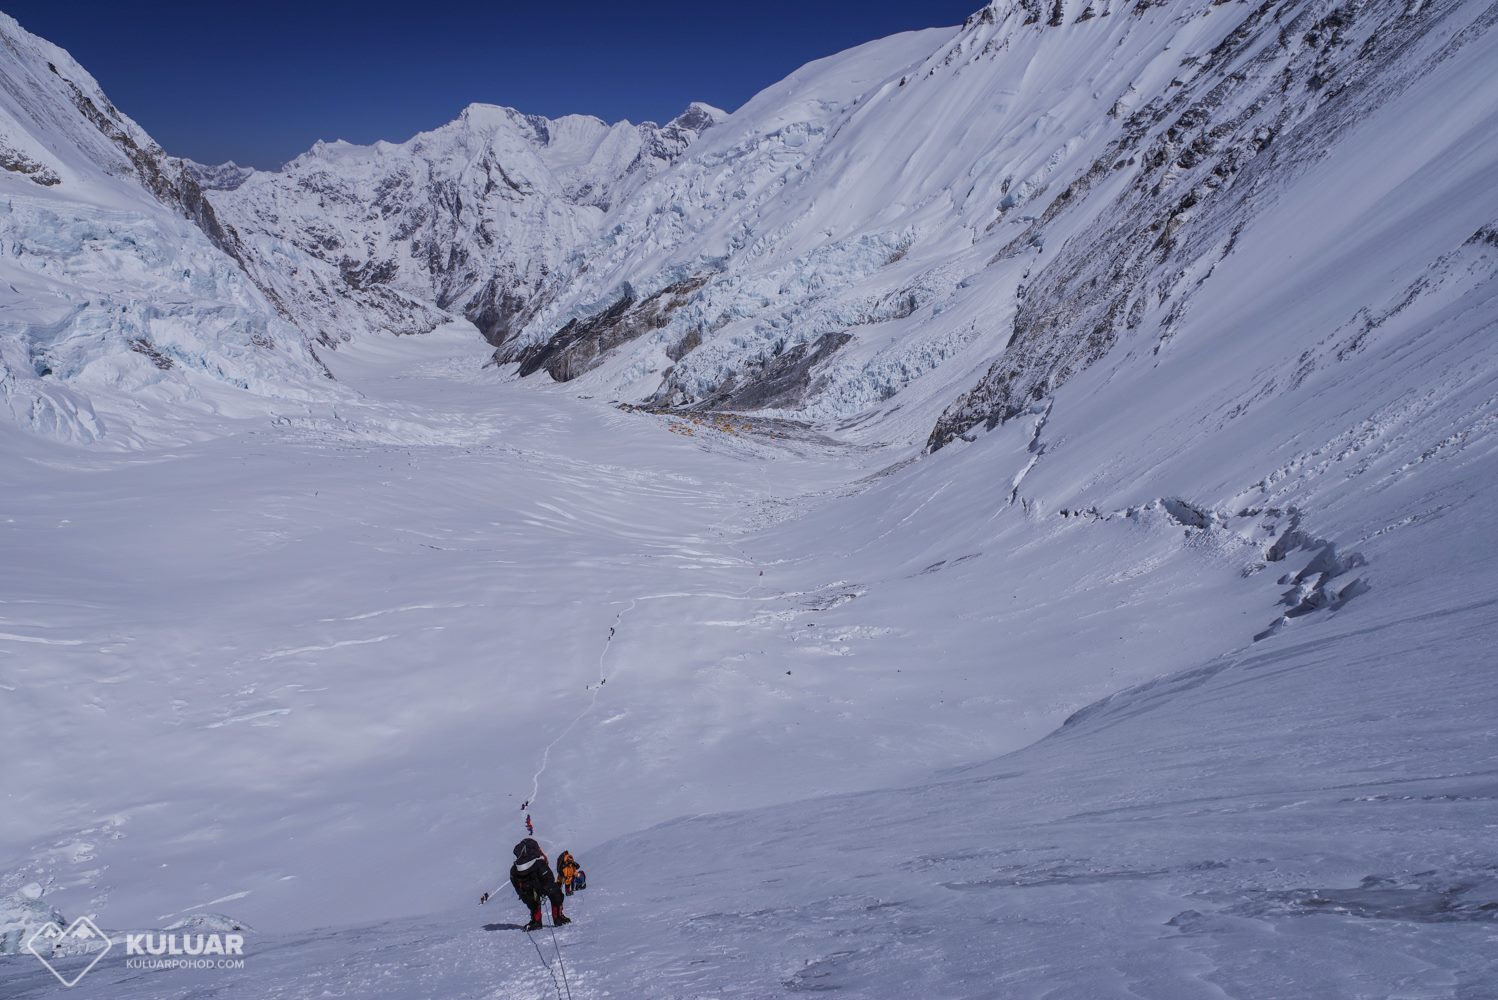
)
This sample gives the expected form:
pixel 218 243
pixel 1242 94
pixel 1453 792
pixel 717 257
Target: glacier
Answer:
pixel 1001 514
pixel 115 300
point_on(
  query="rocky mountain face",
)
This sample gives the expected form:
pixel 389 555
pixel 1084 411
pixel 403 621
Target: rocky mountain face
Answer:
pixel 989 211
pixel 1189 169
pixel 468 219
pixel 130 268
pixel 914 240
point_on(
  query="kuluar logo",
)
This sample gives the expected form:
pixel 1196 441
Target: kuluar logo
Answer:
pixel 51 942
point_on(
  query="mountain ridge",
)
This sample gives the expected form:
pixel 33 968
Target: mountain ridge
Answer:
pixel 1157 672
pixel 463 219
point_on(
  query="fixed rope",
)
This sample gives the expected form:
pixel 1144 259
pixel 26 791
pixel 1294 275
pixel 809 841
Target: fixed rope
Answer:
pixel 561 964
pixel 608 645
pixel 549 971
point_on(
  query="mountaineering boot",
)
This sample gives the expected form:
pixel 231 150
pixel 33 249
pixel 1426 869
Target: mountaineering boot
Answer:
pixel 535 924
pixel 558 918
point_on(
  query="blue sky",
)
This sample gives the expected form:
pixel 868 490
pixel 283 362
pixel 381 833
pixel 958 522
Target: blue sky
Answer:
pixel 260 82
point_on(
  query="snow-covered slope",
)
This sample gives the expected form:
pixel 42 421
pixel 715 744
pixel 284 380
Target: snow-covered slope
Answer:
pixel 466 219
pixel 1049 186
pixel 117 283
pixel 349 645
pixel 1280 843
pixel 1241 204
pixel 1160 669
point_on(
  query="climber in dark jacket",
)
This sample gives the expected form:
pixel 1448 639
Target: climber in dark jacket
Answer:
pixel 532 878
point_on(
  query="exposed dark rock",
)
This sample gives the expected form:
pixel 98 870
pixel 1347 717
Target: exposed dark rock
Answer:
pixel 694 119
pixel 1487 235
pixel 368 273
pixel 686 345
pixel 1198 171
pixel 168 181
pixel 453 224
pixel 985 16
pixel 327 372
pixel 785 380
pixel 497 310
pixel 581 344
pixel 18 162
pixel 144 347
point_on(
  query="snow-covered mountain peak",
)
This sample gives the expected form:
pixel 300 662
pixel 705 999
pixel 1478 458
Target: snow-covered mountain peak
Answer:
pixel 1199 299
pixel 468 218
pixel 918 209
pixel 699 116
pixel 481 115
pixel 219 176
pixel 492 123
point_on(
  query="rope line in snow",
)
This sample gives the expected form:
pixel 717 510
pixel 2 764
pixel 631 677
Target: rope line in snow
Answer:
pixel 608 644
pixel 561 964
pixel 547 965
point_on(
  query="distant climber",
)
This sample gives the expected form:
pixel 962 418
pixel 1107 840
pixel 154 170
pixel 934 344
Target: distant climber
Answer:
pixel 533 881
pixel 568 869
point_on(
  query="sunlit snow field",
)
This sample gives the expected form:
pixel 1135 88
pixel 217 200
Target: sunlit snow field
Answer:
pixel 314 667
pixel 409 601
pixel 1168 675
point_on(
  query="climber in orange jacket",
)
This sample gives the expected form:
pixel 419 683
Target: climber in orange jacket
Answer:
pixel 567 868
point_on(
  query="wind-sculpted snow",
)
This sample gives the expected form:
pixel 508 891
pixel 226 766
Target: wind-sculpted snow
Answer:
pixel 1294 819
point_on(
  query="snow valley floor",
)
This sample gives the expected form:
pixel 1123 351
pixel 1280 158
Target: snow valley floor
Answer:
pixel 815 718
pixel 1006 512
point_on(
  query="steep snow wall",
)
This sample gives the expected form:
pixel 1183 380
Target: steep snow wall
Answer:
pixel 1372 120
pixel 956 223
pixel 118 285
